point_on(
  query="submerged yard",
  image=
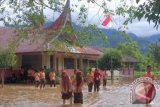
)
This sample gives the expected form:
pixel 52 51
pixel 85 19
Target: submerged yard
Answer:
pixel 29 96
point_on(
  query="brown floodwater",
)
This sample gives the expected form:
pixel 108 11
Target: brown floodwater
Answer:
pixel 29 96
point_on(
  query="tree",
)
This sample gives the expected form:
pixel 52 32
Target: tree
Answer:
pixel 7 59
pixel 111 59
pixel 150 10
pixel 154 51
pixel 130 47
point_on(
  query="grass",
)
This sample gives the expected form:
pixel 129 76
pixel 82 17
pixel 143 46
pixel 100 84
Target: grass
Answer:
pixel 138 74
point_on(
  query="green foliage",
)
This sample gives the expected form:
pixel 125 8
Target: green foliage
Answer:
pixel 130 47
pixel 154 50
pixel 7 58
pixel 90 34
pixel 58 77
pixel 138 74
pixel 137 1
pixel 111 59
pixel 35 18
pixel 150 10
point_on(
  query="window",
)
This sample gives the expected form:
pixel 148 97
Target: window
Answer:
pixel 92 64
pixel 68 63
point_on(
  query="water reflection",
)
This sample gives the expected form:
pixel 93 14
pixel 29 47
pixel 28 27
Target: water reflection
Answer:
pixel 148 105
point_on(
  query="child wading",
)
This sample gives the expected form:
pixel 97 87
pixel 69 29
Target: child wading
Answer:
pixel 90 81
pixel 37 79
pixel 52 77
pixel 66 88
pixel 105 75
pixel 42 78
pixel 78 95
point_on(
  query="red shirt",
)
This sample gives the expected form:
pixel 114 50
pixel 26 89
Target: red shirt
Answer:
pixel 97 76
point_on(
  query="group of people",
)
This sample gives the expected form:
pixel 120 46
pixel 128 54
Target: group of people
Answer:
pixel 71 87
pixel 94 79
pixel 40 78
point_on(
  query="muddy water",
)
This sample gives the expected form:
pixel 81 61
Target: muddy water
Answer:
pixel 28 96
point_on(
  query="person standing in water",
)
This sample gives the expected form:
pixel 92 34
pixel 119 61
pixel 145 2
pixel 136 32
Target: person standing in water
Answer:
pixel 150 90
pixel 97 80
pixel 90 81
pixel 42 79
pixel 52 78
pixel 78 95
pixel 66 88
pixel 37 79
pixel 149 73
pixel 105 75
pixel 145 93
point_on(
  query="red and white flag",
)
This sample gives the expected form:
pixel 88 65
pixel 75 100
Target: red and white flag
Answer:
pixel 107 20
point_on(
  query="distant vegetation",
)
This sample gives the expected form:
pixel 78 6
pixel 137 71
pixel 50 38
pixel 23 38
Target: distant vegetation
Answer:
pixel 114 37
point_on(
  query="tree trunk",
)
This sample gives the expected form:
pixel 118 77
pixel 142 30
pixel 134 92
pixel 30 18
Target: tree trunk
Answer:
pixel 112 77
pixel 2 78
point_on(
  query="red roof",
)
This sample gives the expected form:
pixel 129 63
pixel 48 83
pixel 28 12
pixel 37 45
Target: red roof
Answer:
pixel 7 34
pixel 61 22
pixel 63 19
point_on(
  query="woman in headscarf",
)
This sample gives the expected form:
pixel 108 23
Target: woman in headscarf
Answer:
pixel 78 95
pixel 66 88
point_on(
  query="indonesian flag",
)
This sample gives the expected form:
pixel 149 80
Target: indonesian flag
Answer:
pixel 107 20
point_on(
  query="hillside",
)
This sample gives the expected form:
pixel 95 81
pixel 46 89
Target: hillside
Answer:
pixel 114 38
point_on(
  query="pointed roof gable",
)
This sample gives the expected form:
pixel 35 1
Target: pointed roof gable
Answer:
pixel 64 19
pixel 55 29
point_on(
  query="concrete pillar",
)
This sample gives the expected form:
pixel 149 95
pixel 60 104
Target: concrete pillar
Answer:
pixel 75 63
pixel 55 62
pixel 81 62
pixel 88 63
pixel 60 63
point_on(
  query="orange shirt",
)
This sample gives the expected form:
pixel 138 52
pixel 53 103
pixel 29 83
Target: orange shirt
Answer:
pixel 52 76
pixel 42 75
pixel 37 76
pixel 90 78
